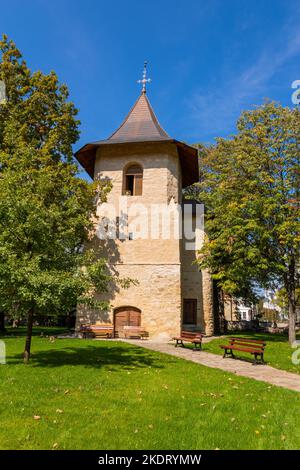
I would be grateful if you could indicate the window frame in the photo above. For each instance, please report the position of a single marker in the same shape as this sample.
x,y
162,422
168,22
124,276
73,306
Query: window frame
x,y
136,171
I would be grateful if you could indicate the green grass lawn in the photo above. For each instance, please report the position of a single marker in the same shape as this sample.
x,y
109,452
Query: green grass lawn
x,y
111,395
278,352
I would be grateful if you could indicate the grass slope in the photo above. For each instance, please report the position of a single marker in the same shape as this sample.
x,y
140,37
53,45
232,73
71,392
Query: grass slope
x,y
110,395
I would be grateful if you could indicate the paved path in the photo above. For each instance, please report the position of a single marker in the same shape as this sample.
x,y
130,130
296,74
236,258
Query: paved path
x,y
263,373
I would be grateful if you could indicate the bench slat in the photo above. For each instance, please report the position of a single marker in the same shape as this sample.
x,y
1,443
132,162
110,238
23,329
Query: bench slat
x,y
246,340
135,331
97,330
190,337
251,346
237,348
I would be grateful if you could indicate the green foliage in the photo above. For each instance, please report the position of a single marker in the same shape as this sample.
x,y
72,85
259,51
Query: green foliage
x,y
281,298
46,211
250,187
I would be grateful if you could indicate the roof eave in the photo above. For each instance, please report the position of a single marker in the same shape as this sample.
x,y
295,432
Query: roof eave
x,y
188,156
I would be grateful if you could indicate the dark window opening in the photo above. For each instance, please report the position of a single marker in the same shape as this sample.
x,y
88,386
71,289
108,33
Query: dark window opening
x,y
129,185
189,312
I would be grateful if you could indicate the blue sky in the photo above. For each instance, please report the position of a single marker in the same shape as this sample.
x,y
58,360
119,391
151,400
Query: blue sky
x,y
208,60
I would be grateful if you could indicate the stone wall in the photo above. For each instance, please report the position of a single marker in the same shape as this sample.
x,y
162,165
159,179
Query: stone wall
x,y
157,295
165,272
153,263
191,276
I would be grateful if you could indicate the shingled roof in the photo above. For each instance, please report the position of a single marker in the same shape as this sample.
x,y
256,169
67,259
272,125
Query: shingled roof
x,y
141,125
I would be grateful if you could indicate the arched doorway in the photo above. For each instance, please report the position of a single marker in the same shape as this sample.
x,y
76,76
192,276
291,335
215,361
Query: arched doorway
x,y
125,316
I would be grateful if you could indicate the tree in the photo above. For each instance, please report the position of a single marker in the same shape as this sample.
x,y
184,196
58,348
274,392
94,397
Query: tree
x,y
46,211
250,187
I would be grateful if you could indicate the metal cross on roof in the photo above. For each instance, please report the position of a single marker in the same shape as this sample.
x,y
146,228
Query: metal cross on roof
x,y
144,79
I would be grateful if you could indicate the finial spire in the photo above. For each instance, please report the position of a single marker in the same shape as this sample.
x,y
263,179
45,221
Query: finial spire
x,y
144,79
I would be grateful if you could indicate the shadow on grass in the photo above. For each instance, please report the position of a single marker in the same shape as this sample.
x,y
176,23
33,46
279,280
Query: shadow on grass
x,y
113,356
249,359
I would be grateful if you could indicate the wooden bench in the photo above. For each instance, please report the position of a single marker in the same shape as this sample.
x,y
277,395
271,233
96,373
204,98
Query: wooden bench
x,y
190,337
97,331
253,346
135,332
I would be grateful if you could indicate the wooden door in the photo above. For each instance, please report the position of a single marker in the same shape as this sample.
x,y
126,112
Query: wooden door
x,y
126,316
189,312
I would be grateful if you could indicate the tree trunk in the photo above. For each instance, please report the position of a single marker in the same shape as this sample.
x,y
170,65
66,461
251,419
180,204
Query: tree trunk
x,y
2,324
290,285
208,302
26,354
292,318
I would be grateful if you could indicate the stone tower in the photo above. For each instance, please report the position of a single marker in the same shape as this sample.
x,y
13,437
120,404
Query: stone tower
x,y
146,167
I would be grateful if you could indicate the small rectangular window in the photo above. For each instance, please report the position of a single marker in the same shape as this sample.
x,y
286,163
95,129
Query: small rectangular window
x,y
133,181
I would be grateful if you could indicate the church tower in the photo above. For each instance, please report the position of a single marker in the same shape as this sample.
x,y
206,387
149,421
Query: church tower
x,y
148,169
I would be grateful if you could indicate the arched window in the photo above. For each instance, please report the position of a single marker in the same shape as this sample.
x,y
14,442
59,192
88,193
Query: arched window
x,y
133,181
